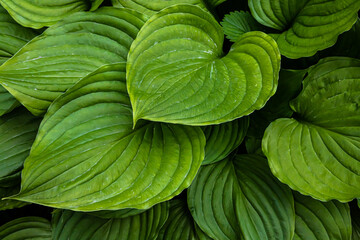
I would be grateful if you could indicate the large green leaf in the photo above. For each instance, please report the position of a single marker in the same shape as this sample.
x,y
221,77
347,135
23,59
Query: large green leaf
x,y
34,228
122,213
180,224
317,220
37,14
149,8
176,72
240,199
81,226
51,63
237,23
17,133
306,26
12,38
318,152
223,138
88,157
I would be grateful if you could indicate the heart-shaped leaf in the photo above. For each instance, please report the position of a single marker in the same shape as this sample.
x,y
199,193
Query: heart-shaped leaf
x,y
88,157
26,228
176,72
82,226
306,26
223,138
38,14
51,63
240,199
318,152
317,220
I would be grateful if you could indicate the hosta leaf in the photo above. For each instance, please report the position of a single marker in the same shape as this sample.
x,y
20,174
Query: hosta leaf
x,y
17,133
306,26
123,213
149,8
35,228
176,72
88,157
180,224
237,23
240,199
81,226
8,191
12,38
222,139
37,14
317,220
317,153
66,52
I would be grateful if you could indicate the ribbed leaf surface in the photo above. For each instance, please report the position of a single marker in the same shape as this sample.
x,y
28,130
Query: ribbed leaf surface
x,y
81,226
317,220
240,199
122,213
176,72
318,153
307,26
222,139
26,228
66,52
88,157
37,14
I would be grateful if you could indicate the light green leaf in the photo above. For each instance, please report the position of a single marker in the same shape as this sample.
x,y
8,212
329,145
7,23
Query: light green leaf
x,y
240,199
224,138
317,153
176,72
237,23
34,228
12,38
38,14
317,220
149,8
68,51
180,224
81,226
88,157
306,26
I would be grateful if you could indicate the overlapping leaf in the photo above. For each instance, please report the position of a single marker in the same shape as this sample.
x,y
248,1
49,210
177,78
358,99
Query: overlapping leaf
x,y
66,52
88,157
222,139
38,14
317,220
317,153
81,226
26,228
176,72
240,199
307,26
12,38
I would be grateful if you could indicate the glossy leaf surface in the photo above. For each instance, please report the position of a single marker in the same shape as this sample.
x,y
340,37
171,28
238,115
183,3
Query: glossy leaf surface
x,y
176,72
88,157
317,153
35,228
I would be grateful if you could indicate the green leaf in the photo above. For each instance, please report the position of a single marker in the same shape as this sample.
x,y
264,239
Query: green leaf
x,y
68,51
224,138
180,224
317,153
38,14
240,199
12,38
17,133
88,157
355,221
176,72
149,8
306,26
6,204
237,23
317,220
81,226
35,228
122,213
